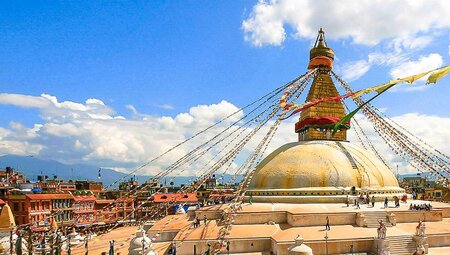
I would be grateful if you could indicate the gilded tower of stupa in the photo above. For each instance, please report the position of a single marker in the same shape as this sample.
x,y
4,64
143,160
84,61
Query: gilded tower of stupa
x,y
316,122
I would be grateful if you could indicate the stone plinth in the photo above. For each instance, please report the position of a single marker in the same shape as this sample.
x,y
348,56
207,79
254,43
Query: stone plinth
x,y
381,246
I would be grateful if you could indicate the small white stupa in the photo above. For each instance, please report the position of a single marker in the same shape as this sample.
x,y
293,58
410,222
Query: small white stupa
x,y
75,238
139,242
299,248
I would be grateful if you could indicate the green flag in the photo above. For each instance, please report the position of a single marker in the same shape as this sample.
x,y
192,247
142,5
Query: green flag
x,y
350,115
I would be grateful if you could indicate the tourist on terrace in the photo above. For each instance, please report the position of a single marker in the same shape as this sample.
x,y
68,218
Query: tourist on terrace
x,y
386,201
373,201
397,201
404,198
327,226
111,247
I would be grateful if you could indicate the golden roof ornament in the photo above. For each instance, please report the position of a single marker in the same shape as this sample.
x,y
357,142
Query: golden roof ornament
x,y
321,55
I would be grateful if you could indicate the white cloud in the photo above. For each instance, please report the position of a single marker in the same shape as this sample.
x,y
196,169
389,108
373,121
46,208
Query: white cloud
x,y
131,108
395,58
165,106
424,63
410,42
365,22
75,132
352,71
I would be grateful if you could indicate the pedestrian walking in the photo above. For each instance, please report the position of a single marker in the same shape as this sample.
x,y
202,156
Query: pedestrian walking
x,y
357,205
327,226
111,247
386,201
373,201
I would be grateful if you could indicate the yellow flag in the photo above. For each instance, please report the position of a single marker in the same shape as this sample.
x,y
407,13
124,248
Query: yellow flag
x,y
438,74
413,78
378,89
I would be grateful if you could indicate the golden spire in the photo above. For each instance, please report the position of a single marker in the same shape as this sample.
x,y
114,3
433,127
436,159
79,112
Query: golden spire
x,y
316,123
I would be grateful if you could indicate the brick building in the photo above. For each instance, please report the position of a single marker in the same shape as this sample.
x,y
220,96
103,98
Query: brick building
x,y
37,209
83,208
105,211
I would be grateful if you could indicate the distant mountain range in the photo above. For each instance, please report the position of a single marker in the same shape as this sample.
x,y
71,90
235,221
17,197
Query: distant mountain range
x,y
31,167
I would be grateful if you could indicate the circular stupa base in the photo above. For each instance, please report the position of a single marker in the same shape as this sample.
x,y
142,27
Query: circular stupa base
x,y
322,194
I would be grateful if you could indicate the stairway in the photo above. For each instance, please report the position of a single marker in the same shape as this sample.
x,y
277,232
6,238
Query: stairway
x,y
372,218
401,245
348,155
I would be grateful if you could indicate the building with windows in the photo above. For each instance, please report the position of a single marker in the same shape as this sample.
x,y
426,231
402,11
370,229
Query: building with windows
x,y
105,211
62,208
36,209
83,208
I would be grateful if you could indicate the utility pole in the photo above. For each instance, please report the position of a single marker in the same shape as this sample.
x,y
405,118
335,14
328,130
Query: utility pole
x,y
86,244
30,240
397,172
11,245
69,252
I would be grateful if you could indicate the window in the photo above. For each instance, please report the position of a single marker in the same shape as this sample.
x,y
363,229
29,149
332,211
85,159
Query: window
x,y
16,206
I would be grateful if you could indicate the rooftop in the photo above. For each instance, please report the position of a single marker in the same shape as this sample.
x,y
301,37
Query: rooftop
x,y
179,197
49,196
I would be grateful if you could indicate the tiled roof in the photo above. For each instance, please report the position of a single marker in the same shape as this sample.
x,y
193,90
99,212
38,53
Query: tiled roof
x,y
49,196
175,197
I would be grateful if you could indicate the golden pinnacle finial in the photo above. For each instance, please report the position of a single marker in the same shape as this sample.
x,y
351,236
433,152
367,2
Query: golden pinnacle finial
x,y
321,54
320,41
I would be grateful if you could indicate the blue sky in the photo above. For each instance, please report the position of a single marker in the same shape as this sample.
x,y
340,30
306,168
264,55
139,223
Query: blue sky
x,y
164,57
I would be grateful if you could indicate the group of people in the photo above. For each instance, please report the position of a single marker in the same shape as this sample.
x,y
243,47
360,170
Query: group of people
x,y
365,198
421,207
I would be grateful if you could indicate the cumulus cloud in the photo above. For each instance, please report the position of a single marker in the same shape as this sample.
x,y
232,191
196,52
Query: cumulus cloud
x,y
91,132
424,63
397,56
269,21
354,70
